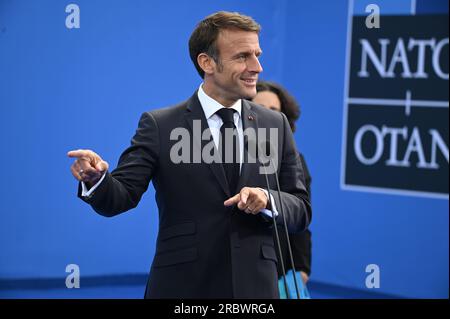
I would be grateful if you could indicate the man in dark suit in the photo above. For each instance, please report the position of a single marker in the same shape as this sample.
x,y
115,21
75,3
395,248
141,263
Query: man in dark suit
x,y
215,236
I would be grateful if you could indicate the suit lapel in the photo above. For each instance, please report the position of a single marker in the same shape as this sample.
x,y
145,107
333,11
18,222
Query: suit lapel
x,y
249,121
194,111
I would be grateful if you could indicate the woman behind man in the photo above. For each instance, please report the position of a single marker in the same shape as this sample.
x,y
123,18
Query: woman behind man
x,y
275,97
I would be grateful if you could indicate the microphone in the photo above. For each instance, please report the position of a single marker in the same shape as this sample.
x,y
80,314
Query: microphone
x,y
268,152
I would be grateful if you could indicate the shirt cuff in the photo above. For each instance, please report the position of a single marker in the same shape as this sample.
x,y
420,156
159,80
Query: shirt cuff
x,y
85,192
266,211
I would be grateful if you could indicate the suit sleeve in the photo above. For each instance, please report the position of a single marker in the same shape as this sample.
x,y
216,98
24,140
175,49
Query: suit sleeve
x,y
301,250
294,196
123,188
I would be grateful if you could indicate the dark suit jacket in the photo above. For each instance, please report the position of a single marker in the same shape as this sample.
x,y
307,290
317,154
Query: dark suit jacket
x,y
203,249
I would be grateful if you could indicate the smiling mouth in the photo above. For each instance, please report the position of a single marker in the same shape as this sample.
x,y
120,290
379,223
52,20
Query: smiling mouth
x,y
249,81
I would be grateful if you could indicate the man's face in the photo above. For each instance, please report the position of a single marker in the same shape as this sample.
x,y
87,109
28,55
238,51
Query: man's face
x,y
236,72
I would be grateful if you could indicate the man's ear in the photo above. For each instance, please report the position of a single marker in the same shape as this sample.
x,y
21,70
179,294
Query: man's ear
x,y
206,63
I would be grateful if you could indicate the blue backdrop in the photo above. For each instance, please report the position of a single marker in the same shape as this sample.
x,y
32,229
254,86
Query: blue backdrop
x,y
63,89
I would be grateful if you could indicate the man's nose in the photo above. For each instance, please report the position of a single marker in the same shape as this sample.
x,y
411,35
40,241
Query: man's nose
x,y
253,65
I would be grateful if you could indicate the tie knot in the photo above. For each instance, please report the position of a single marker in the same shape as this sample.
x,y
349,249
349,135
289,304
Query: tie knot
x,y
227,115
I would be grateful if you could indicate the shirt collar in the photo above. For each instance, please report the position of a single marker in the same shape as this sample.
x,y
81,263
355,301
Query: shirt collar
x,y
211,106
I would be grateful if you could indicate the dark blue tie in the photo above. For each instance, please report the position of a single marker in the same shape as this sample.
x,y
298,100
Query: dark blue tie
x,y
229,148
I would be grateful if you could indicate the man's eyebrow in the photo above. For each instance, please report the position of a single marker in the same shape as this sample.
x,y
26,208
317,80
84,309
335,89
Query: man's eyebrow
x,y
241,53
247,53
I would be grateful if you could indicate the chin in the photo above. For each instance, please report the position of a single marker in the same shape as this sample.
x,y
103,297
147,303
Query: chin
x,y
249,94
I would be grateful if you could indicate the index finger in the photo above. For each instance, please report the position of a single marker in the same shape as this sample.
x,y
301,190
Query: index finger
x,y
232,200
78,153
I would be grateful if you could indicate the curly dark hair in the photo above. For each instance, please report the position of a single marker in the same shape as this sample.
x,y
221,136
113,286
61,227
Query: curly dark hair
x,y
289,105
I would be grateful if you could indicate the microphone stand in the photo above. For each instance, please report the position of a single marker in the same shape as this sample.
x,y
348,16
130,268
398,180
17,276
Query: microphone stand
x,y
285,228
286,231
277,237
